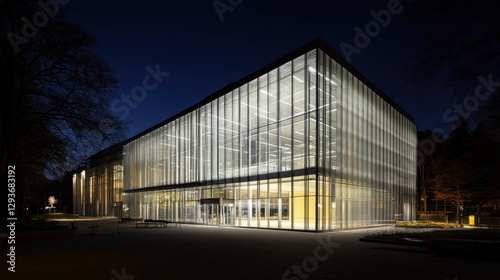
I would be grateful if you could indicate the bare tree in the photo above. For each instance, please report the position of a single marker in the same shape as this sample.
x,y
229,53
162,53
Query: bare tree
x,y
52,200
425,167
486,166
56,93
457,43
458,53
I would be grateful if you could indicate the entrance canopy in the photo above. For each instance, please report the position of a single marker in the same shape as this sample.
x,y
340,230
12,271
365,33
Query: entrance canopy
x,y
220,201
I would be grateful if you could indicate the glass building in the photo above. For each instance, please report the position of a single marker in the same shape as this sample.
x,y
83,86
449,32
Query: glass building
x,y
306,143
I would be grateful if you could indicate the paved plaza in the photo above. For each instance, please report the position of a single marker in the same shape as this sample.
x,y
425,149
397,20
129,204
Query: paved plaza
x,y
202,252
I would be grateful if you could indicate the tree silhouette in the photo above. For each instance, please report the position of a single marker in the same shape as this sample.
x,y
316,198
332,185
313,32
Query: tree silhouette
x,y
52,200
457,53
486,166
450,168
56,92
456,44
426,168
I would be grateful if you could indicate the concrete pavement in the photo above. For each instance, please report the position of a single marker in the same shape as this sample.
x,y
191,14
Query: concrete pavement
x,y
200,252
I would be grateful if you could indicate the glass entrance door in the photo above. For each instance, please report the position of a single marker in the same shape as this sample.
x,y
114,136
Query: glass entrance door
x,y
210,214
227,215
218,214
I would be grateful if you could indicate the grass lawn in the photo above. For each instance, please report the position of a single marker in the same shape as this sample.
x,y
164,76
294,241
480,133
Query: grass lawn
x,y
44,222
51,216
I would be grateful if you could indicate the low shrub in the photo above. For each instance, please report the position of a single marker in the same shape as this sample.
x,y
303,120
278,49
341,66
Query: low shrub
x,y
427,224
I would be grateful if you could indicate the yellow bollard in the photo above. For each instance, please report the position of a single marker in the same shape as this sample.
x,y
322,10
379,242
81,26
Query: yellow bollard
x,y
471,220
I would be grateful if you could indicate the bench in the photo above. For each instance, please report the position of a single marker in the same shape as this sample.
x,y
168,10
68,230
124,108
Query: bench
x,y
130,220
106,228
150,222
155,223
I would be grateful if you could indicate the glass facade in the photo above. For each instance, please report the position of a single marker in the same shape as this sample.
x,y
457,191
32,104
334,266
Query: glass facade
x,y
98,191
366,150
304,146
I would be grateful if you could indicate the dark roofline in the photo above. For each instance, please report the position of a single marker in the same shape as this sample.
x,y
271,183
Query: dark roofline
x,y
337,57
116,148
315,44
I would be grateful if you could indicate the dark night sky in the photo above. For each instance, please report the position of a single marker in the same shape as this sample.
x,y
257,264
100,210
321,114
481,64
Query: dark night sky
x,y
202,54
